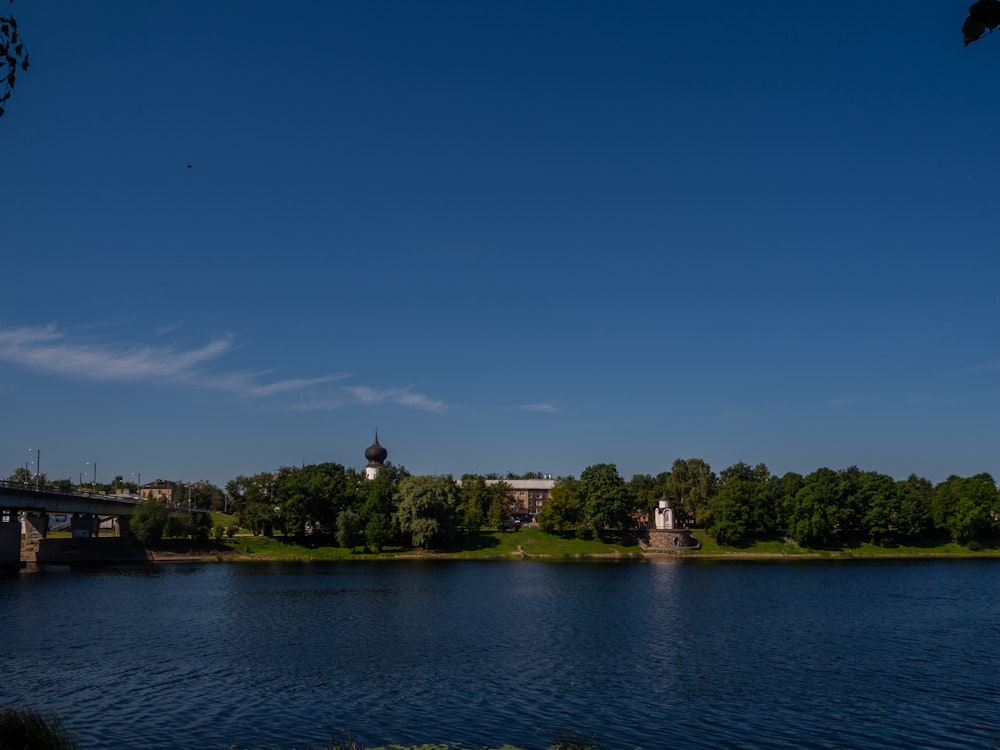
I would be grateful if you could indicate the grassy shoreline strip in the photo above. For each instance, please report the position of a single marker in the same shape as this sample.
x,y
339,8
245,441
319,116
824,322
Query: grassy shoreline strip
x,y
531,544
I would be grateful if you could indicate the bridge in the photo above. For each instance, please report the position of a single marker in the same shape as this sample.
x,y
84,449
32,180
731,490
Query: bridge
x,y
36,503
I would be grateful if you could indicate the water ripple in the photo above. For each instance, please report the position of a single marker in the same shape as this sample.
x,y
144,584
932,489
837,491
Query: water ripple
x,y
639,655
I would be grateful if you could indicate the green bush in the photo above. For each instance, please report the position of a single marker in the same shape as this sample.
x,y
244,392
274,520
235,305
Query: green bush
x,y
149,522
26,729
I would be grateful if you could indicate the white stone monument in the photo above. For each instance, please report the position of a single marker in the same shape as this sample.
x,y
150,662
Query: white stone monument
x,y
664,514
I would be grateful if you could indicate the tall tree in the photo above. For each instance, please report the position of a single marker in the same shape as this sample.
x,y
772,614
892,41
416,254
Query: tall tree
x,y
690,486
474,502
879,500
311,497
605,498
21,476
967,508
811,513
741,507
350,529
378,506
646,490
258,509
149,522
206,496
561,513
427,509
500,503
914,515
849,501
379,510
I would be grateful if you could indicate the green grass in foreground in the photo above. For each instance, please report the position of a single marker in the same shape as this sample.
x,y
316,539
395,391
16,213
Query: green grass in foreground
x,y
534,543
709,547
222,519
285,548
27,729
530,543
525,543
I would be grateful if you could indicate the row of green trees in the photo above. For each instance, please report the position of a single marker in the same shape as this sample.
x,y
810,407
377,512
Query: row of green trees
x,y
395,508
744,503
153,520
739,505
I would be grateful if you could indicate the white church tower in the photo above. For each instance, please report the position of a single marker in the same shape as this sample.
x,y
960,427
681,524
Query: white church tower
x,y
376,456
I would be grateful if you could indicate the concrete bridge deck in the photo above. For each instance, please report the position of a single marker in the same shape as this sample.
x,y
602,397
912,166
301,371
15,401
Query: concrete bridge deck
x,y
28,497
33,504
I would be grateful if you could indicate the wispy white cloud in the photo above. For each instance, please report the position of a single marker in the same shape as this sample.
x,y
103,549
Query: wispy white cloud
x,y
403,396
28,336
170,328
50,350
47,349
317,405
991,365
245,385
545,408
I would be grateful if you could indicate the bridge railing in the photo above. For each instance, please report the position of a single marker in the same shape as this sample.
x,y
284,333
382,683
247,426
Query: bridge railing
x,y
24,486
54,490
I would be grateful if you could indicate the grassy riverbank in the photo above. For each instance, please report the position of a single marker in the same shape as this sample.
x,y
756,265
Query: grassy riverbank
x,y
784,549
526,543
530,543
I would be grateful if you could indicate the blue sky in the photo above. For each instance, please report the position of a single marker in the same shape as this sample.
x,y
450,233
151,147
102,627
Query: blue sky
x,y
512,235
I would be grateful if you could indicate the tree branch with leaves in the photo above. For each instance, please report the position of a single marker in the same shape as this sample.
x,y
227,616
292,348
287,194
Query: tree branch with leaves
x,y
13,57
984,15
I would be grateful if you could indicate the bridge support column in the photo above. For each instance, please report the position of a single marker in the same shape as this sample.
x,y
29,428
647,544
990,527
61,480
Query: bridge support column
x,y
124,529
36,525
10,539
84,526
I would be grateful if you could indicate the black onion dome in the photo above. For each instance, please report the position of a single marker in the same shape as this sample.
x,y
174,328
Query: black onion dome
x,y
375,453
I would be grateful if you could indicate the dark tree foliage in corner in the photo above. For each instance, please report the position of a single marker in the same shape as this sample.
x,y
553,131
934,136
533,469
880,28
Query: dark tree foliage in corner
x,y
13,56
984,15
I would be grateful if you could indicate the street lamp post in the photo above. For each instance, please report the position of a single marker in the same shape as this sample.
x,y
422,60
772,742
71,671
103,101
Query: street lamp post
x,y
93,485
38,466
138,483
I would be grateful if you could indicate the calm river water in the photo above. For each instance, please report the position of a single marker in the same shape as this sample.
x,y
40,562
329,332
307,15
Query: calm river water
x,y
668,654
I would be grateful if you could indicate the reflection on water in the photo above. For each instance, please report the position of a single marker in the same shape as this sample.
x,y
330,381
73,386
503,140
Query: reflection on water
x,y
671,654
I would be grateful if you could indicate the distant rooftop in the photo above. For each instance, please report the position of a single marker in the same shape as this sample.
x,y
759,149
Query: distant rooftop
x,y
526,484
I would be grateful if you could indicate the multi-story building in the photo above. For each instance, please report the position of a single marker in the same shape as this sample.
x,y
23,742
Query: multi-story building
x,y
528,495
161,489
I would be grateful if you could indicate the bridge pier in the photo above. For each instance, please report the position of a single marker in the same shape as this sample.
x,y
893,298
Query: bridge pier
x,y
36,525
10,539
84,525
20,540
